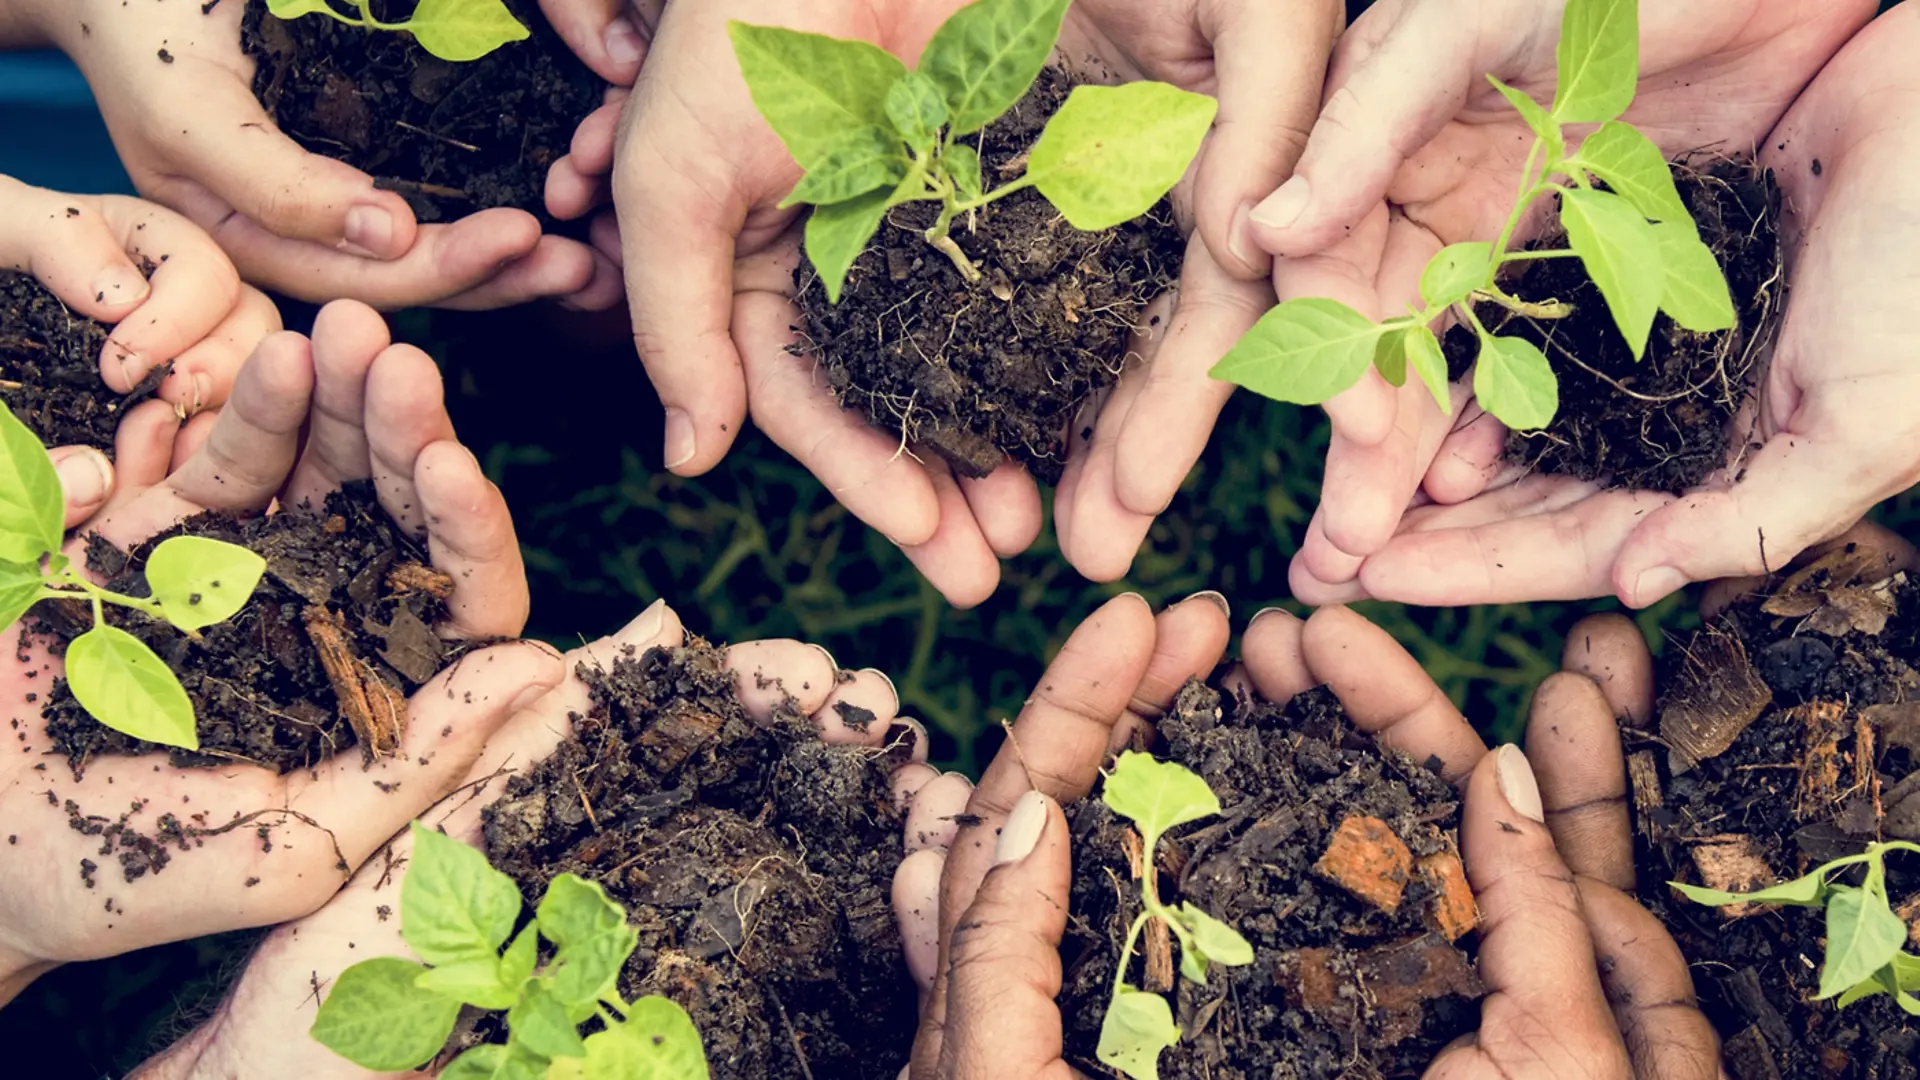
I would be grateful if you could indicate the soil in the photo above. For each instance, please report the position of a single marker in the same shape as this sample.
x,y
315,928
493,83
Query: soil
x,y
321,659
979,373
1606,428
756,862
1316,817
50,368
450,138
1789,730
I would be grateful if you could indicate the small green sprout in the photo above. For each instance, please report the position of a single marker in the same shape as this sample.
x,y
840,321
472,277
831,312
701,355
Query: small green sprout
x,y
872,135
454,30
195,583
388,1014
1864,937
1157,796
1637,241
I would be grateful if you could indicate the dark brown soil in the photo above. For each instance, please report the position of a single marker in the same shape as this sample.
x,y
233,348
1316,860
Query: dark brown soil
x,y
451,138
1603,430
50,368
259,685
1824,765
979,373
757,863
1339,987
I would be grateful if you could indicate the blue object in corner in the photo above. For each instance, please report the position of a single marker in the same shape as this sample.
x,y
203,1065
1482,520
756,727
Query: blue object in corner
x,y
51,133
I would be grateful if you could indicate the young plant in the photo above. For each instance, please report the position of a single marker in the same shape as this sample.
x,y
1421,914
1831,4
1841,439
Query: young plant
x,y
1637,242
1157,796
389,1014
195,583
454,30
871,135
1864,937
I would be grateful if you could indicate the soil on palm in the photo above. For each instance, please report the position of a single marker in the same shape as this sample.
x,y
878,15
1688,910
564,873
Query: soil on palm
x,y
50,368
450,138
1335,858
999,369
1788,734
756,862
320,660
1663,422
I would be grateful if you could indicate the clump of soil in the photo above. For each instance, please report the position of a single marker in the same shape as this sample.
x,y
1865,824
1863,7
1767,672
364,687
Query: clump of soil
x,y
322,658
978,373
756,863
50,368
1794,724
450,138
1336,858
1660,423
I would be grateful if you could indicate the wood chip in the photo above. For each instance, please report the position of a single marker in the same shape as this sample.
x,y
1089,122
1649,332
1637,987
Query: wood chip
x,y
413,577
1732,863
1452,911
1368,860
1910,911
1841,592
376,710
1821,760
1157,948
1717,694
1649,804
1898,724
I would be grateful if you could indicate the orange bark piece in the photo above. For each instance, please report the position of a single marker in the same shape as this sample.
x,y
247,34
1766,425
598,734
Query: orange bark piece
x,y
1369,861
1452,911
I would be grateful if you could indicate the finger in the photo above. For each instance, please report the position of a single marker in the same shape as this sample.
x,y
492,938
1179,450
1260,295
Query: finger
x,y
1274,652
859,711
1006,505
1473,454
470,539
1349,272
1574,745
406,412
916,907
556,267
907,780
571,192
1648,985
1320,573
1189,638
347,338
141,450
769,673
1387,693
1610,650
932,819
195,288
66,243
203,376
958,561
191,437
602,34
86,479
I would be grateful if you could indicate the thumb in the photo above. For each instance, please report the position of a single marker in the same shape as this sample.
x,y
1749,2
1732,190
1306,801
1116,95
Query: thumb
x,y
1005,969
68,244
602,33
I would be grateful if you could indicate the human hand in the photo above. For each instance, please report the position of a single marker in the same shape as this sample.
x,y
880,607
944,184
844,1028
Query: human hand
x,y
367,410
1410,121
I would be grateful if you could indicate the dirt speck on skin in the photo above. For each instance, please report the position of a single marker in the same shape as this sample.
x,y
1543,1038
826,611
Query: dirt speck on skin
x,y
980,373
50,368
755,861
1340,986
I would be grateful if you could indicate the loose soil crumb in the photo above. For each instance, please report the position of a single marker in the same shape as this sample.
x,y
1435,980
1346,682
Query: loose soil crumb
x,y
1826,765
756,863
450,138
1603,432
50,368
999,369
261,682
1336,858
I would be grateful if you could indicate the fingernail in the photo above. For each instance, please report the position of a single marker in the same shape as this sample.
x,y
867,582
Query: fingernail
x,y
885,678
917,733
831,662
133,367
370,228
1264,613
1517,784
85,477
1214,598
1136,596
624,43
1240,236
680,443
645,625
1022,830
202,390
119,286
1655,584
1283,207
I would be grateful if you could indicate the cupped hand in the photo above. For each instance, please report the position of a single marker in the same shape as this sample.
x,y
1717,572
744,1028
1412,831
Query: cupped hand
x,y
261,1028
365,410
1411,122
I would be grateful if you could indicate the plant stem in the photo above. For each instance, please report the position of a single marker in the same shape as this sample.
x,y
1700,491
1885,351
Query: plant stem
x,y
1126,951
1547,309
68,585
1525,256
938,235
1000,192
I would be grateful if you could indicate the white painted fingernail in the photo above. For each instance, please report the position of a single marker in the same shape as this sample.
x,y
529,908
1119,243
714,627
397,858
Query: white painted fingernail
x,y
1517,784
680,444
1283,207
645,626
1023,829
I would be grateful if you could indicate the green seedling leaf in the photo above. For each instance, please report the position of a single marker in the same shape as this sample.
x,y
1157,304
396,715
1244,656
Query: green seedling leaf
x,y
19,589
376,1018
1544,126
453,906
1111,152
1599,57
480,982
33,513
516,964
1806,891
122,684
917,110
986,55
837,234
1138,1026
1429,362
539,1022
462,30
1157,795
1622,255
868,159
199,582
1906,971
495,1062
813,89
1636,171
1514,382
1454,272
1303,351
1390,355
592,934
657,1041
293,9
1863,935
1694,293
1907,1002
1866,988
1209,940
963,164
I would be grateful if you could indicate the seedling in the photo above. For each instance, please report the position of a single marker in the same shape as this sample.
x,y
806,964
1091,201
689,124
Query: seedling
x,y
455,30
1864,937
871,135
1638,243
196,582
388,1014
1157,796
